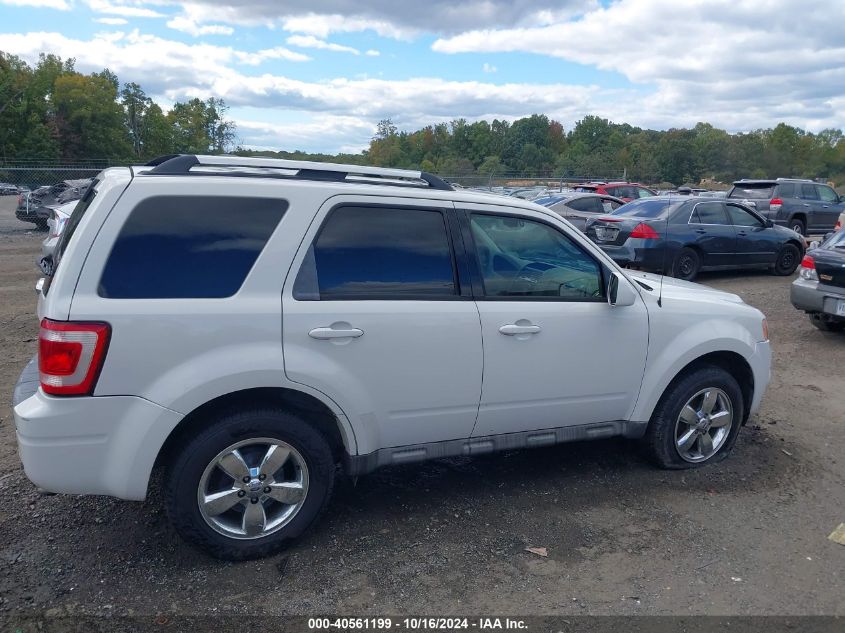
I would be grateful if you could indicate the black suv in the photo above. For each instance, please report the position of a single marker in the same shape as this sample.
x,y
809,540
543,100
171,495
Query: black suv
x,y
805,206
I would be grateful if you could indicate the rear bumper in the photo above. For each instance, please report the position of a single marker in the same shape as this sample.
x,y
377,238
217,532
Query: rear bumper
x,y
812,296
89,445
637,252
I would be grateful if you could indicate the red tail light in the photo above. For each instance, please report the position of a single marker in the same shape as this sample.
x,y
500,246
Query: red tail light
x,y
838,225
70,356
644,231
808,262
775,204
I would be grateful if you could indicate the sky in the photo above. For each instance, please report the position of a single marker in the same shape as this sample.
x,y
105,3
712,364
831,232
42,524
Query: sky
x,y
317,75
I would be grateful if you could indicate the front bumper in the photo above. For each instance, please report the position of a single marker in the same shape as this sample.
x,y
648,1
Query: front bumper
x,y
761,367
104,445
813,296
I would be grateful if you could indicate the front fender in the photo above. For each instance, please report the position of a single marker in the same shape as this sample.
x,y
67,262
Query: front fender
x,y
676,352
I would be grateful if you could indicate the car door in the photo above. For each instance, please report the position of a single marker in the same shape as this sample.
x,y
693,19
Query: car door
x,y
555,353
375,317
755,243
811,205
830,206
712,233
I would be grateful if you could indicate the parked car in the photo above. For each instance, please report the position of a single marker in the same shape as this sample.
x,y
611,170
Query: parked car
x,y
819,289
627,191
56,225
807,207
249,329
37,206
580,207
685,235
8,189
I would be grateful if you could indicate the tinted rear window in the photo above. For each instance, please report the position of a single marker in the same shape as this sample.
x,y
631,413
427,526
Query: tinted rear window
x,y
645,208
753,191
379,253
188,247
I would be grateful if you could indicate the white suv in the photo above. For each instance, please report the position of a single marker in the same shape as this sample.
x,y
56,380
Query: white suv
x,y
247,325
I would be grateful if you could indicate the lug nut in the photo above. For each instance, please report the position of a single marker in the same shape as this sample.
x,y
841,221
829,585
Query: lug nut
x,y
246,480
267,490
254,500
262,477
241,493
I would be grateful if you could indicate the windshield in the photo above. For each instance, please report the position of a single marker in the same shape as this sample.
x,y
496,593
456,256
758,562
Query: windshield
x,y
645,208
837,240
753,191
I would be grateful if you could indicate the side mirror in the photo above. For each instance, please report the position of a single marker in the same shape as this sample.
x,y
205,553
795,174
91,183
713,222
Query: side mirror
x,y
619,291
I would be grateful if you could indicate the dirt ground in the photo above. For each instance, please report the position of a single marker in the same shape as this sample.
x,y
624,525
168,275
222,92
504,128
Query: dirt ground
x,y
748,536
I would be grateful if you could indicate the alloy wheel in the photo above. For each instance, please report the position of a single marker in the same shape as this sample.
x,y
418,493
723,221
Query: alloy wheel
x,y
704,425
253,488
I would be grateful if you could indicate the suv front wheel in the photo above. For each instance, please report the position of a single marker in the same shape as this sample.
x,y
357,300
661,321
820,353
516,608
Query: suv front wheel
x,y
249,482
697,420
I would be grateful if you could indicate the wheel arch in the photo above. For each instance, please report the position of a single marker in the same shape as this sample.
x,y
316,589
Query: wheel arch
x,y
307,406
731,362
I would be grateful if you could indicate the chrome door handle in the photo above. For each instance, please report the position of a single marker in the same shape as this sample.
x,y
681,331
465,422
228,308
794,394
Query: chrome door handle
x,y
512,329
327,333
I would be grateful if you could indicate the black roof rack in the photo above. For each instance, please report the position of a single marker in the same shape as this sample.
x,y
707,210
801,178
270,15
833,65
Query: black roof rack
x,y
185,164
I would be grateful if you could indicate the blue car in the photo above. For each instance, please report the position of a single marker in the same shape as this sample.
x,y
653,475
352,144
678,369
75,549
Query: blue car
x,y
684,236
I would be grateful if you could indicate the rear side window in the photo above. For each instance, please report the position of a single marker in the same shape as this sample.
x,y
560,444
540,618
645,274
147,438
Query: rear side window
x,y
786,190
709,213
809,192
189,247
753,191
588,205
378,253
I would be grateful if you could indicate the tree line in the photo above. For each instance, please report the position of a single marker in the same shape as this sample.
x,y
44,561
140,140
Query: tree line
x,y
50,112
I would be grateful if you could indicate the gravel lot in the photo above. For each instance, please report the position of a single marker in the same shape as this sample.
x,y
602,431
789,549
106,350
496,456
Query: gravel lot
x,y
748,536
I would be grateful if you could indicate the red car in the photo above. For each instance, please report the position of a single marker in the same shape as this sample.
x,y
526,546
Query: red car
x,y
626,190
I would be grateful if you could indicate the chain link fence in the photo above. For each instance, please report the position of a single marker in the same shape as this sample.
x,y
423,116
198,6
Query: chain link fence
x,y
516,180
39,189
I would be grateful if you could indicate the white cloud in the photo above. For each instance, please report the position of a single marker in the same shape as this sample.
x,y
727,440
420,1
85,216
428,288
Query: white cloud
x,y
309,41
345,134
399,20
187,25
120,8
111,21
372,53
278,52
489,68
46,4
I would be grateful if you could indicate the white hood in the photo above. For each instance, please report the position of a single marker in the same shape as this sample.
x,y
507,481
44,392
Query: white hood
x,y
679,289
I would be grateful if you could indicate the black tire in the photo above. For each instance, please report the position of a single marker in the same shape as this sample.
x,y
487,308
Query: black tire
x,y
798,226
687,264
787,260
183,475
826,325
660,436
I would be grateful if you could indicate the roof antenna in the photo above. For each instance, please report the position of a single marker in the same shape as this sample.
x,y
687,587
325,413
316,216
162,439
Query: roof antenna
x,y
665,248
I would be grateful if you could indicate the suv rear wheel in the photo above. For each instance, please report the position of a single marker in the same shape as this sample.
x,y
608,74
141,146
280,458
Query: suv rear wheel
x,y
249,482
697,420
798,226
